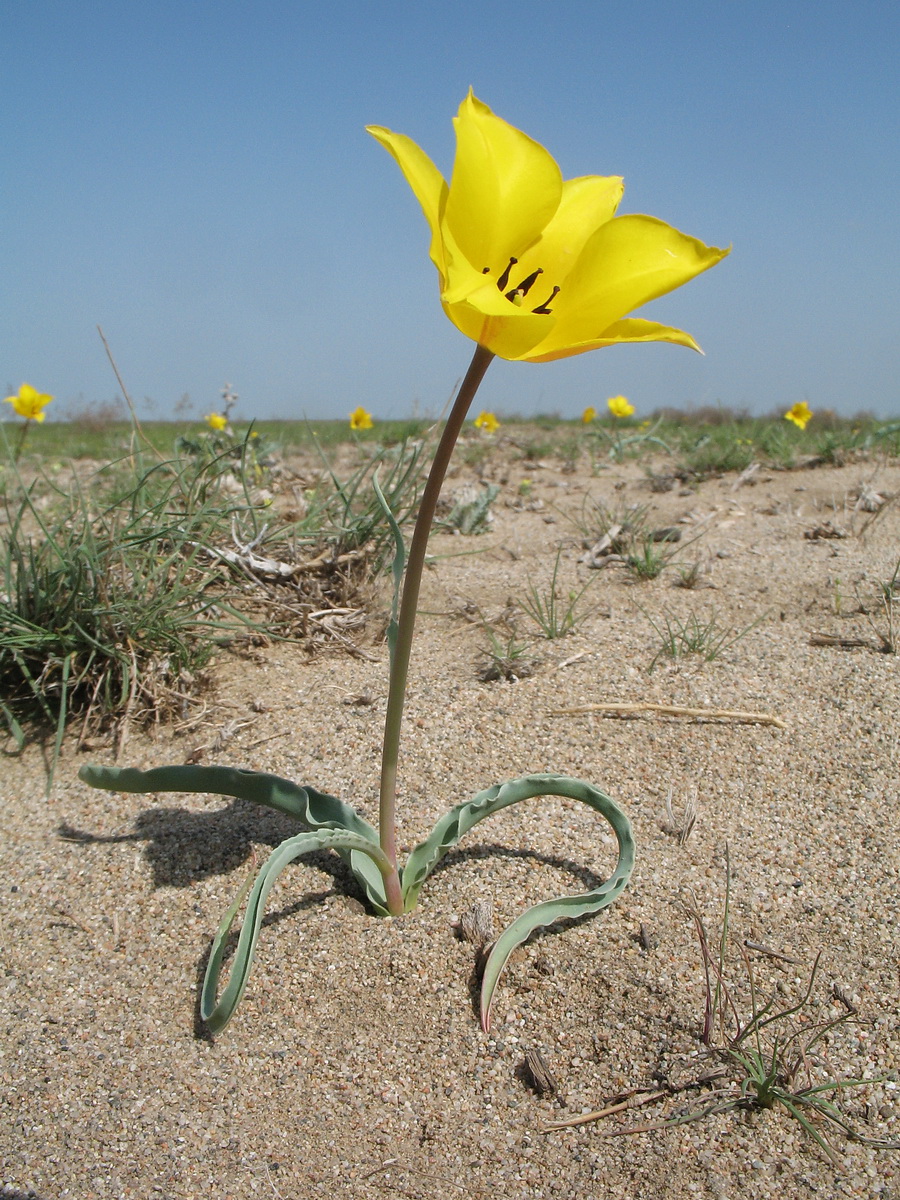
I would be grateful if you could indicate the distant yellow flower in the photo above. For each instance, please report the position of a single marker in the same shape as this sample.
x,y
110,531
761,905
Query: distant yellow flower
x,y
644,424
360,419
619,406
487,422
216,421
589,414
29,403
799,413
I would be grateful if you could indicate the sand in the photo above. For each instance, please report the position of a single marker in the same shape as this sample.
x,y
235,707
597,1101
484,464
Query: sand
x,y
356,1066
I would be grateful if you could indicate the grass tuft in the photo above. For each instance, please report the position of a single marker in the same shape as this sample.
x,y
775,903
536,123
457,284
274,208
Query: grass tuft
x,y
773,1055
706,639
555,615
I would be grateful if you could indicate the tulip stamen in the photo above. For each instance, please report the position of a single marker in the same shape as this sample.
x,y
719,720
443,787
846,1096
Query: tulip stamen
x,y
544,308
524,287
504,278
518,293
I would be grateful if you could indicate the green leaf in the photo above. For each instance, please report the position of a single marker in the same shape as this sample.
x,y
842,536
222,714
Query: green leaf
x,y
217,1014
397,567
15,729
451,827
315,809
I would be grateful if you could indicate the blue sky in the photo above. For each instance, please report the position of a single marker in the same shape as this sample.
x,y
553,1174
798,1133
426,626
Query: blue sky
x,y
195,177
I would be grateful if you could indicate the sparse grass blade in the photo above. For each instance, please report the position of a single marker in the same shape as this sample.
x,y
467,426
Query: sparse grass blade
x,y
353,515
553,614
771,1048
692,636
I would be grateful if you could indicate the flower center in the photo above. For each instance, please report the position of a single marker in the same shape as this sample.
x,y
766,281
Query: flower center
x,y
516,294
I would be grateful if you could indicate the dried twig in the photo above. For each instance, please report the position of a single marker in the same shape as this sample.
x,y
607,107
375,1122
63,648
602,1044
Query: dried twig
x,y
768,952
542,1078
574,659
614,708
128,400
477,924
632,1100
745,476
844,643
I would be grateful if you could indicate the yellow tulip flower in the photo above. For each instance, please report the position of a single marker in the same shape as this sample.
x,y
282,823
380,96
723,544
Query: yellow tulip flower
x,y
619,406
589,414
29,403
533,267
216,421
487,422
360,419
799,413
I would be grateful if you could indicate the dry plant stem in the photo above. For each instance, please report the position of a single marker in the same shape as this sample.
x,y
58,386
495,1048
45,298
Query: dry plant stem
x,y
631,1101
672,710
128,400
406,620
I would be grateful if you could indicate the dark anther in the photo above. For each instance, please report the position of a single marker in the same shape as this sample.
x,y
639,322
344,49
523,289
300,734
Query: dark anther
x,y
485,270
524,287
504,278
544,308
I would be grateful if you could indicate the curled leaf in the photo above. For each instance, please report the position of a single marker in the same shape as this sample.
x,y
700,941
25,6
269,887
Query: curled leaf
x,y
217,1013
451,827
318,810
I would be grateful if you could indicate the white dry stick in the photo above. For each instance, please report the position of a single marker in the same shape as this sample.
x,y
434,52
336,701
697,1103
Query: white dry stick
x,y
671,710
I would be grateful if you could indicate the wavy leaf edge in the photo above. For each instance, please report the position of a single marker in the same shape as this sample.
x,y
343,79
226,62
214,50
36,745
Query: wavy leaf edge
x,y
318,810
337,826
460,819
217,1013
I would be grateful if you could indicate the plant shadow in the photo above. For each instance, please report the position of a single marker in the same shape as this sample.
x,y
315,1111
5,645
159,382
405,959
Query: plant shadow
x,y
483,850
183,847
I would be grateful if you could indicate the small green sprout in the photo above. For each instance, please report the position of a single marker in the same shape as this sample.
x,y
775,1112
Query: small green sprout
x,y
554,614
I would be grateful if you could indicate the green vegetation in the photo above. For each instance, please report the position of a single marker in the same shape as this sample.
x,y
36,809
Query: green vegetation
x,y
110,439
504,657
707,640
773,1055
112,598
624,532
554,614
118,585
700,442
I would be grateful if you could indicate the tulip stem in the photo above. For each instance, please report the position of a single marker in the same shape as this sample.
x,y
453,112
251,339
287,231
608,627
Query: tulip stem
x,y
21,441
406,620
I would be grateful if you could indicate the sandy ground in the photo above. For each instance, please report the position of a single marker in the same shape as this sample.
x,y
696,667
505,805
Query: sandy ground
x,y
356,1066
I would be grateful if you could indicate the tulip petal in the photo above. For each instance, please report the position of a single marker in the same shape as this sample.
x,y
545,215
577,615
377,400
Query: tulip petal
x,y
587,203
534,268
490,320
626,263
423,177
504,190
632,329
